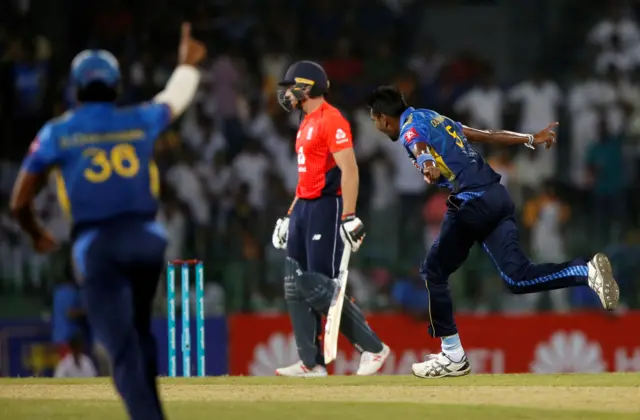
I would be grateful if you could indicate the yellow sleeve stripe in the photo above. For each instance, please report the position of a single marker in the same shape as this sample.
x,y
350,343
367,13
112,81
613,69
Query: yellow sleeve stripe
x,y
61,192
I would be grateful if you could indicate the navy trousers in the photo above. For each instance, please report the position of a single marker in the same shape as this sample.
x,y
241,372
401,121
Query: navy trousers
x,y
119,267
314,237
314,242
486,217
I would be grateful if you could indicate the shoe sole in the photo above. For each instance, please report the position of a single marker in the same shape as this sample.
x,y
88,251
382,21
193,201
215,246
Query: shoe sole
x,y
610,293
456,374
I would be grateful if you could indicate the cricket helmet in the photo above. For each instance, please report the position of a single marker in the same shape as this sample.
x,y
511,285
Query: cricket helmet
x,y
305,79
91,66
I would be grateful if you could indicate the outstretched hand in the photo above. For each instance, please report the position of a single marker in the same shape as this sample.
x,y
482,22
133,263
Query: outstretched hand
x,y
546,136
191,51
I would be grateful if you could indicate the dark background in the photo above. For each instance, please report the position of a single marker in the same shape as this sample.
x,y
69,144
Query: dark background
x,y
227,164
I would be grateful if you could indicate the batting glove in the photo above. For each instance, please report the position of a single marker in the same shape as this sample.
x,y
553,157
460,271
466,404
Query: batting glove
x,y
281,233
352,231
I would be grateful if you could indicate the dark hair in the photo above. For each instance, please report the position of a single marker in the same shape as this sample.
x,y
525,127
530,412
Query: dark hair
x,y
387,100
97,92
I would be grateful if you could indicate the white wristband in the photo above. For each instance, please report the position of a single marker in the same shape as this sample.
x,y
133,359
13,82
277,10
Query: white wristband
x,y
180,89
529,144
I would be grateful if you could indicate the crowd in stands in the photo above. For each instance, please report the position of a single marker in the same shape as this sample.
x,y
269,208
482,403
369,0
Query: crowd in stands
x,y
229,167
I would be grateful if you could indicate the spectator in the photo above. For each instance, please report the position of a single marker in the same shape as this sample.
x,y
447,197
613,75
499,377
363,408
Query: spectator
x,y
434,211
539,99
173,220
617,25
426,64
615,56
184,180
227,80
606,168
410,190
526,174
278,142
544,216
142,76
501,162
482,106
243,233
273,65
251,166
585,99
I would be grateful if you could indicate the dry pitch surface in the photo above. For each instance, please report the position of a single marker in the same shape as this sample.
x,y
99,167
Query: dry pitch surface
x,y
493,397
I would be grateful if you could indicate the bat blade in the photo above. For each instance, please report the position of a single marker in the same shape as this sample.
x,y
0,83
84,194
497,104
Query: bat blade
x,y
332,326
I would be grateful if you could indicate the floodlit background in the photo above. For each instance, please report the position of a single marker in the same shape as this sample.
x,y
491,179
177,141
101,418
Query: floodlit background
x,y
229,167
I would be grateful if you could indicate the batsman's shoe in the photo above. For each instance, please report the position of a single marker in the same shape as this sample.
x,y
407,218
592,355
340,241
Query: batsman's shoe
x,y
440,366
299,370
602,282
371,363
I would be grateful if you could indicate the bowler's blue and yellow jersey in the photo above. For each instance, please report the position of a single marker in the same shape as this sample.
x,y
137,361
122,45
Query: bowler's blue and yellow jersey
x,y
102,157
461,167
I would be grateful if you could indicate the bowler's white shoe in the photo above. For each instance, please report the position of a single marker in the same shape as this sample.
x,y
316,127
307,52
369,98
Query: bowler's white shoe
x,y
440,366
371,363
602,282
299,370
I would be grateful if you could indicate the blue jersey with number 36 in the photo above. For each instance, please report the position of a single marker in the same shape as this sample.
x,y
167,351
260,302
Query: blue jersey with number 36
x,y
102,157
461,167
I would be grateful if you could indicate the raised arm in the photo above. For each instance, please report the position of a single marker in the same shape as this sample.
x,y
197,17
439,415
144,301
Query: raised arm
x,y
509,138
183,83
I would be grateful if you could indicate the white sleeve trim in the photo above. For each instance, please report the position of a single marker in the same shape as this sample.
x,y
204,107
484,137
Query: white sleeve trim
x,y
180,89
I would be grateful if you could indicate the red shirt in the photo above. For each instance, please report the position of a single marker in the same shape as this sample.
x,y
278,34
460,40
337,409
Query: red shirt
x,y
323,132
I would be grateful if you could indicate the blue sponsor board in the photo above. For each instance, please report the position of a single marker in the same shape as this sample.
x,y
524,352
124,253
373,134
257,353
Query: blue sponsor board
x,y
26,348
216,346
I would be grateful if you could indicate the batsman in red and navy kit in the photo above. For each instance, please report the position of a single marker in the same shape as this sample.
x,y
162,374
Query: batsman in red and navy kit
x,y
102,157
322,213
479,210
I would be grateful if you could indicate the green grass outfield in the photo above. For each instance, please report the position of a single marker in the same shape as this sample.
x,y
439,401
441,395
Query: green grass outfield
x,y
493,397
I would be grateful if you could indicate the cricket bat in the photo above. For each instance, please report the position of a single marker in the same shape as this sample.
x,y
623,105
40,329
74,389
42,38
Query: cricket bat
x,y
332,326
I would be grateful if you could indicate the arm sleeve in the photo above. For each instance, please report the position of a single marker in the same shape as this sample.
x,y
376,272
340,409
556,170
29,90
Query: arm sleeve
x,y
338,134
410,138
43,152
157,116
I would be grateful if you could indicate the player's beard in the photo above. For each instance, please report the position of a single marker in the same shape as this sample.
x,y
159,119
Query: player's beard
x,y
394,137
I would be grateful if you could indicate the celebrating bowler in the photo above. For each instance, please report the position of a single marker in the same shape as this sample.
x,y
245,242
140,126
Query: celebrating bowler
x,y
480,210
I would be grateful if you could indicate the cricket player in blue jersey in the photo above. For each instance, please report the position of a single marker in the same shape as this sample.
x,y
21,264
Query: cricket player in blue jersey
x,y
107,182
480,210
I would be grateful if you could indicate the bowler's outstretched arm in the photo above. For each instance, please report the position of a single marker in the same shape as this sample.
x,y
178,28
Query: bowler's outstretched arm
x,y
509,138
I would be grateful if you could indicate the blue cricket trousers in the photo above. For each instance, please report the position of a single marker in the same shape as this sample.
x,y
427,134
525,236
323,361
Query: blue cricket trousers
x,y
314,235
119,265
314,242
486,217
